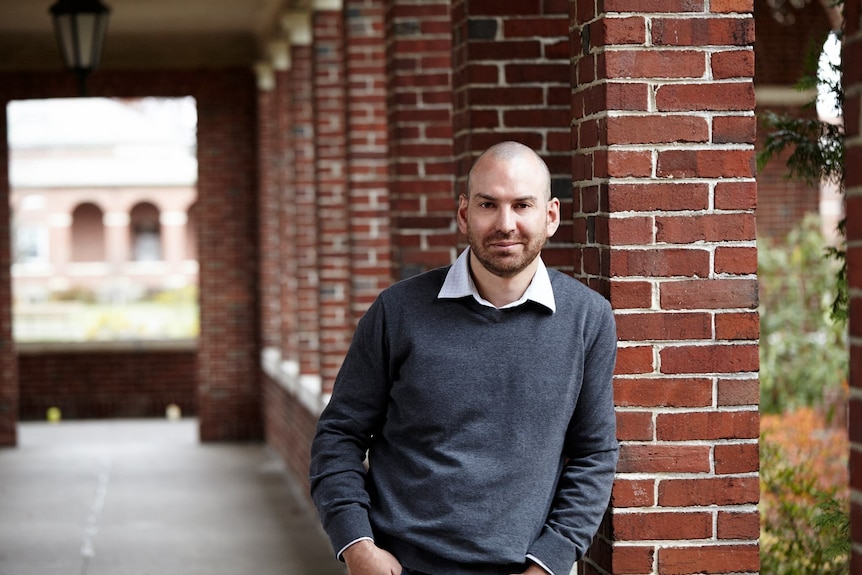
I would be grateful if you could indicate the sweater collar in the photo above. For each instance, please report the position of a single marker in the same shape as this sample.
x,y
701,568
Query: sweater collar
x,y
459,283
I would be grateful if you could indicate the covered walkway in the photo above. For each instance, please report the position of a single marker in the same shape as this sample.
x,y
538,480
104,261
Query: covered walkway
x,y
135,497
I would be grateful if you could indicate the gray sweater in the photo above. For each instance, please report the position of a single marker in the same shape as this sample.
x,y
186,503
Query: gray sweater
x,y
490,433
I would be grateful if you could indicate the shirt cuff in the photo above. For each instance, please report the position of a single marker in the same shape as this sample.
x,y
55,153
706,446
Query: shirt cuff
x,y
538,562
343,549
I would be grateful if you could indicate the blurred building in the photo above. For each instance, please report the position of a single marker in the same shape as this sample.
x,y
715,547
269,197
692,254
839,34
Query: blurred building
x,y
102,197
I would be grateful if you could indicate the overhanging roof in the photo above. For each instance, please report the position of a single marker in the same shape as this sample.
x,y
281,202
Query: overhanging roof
x,y
149,33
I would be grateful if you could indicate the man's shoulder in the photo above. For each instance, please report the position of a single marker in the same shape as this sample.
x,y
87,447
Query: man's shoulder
x,y
428,282
569,288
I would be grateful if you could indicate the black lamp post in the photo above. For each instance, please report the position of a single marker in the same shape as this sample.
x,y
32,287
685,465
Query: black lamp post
x,y
80,26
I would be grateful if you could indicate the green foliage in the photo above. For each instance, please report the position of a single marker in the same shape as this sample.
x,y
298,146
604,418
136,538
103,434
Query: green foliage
x,y
816,154
803,352
805,526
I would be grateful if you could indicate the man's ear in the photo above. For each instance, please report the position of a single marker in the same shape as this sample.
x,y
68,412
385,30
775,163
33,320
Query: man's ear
x,y
553,216
462,213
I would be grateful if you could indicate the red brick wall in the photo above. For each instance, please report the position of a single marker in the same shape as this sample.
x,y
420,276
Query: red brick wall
x,y
333,240
301,111
269,161
852,58
94,383
290,427
511,77
664,200
419,120
367,166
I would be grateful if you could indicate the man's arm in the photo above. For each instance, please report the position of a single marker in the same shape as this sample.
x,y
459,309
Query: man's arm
x,y
345,431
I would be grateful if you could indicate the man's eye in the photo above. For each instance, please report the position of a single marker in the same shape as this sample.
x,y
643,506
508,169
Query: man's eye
x,y
486,205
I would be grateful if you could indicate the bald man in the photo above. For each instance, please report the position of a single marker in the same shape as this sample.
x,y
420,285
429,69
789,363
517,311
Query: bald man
x,y
481,395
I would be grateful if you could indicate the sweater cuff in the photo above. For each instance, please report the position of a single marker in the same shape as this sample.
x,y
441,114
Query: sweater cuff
x,y
347,527
553,552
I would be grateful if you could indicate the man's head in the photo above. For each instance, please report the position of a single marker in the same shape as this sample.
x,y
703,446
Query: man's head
x,y
508,212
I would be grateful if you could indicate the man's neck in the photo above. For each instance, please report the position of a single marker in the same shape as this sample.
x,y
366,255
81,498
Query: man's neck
x,y
501,291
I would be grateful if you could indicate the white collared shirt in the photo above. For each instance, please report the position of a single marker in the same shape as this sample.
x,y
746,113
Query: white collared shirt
x,y
459,283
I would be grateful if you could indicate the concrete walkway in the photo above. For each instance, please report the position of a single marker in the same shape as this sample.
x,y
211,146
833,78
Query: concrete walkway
x,y
136,497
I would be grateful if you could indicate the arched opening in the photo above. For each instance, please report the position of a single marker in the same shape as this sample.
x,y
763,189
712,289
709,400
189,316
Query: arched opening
x,y
87,234
146,233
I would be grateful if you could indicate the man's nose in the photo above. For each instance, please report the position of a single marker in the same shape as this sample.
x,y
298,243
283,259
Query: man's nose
x,y
505,219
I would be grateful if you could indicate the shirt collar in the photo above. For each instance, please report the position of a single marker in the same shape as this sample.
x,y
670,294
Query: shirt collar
x,y
459,283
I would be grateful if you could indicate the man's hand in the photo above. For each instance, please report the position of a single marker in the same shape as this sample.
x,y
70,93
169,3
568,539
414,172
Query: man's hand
x,y
366,558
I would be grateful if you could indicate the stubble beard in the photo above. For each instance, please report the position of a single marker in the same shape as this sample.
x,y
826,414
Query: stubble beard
x,y
505,266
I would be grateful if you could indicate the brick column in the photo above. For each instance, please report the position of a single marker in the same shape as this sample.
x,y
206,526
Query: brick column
x,y
285,209
367,152
228,386
664,200
852,63
9,395
267,138
333,238
298,26
419,107
511,82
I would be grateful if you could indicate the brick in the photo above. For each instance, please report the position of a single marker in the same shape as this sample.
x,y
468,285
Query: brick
x,y
623,163
709,294
657,196
736,260
720,491
625,96
644,526
630,294
731,6
632,560
654,6
656,129
627,30
734,129
736,458
634,426
703,31
707,425
662,392
638,63
735,195
633,493
735,326
738,96
732,64
657,458
718,358
709,559
667,262
631,231
638,359
705,164
733,392
705,228
665,326
732,525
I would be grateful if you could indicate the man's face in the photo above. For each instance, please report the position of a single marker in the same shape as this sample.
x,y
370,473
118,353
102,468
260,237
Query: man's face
x,y
508,216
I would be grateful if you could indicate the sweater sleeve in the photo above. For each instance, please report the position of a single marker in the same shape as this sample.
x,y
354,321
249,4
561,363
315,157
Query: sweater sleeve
x,y
591,450
345,430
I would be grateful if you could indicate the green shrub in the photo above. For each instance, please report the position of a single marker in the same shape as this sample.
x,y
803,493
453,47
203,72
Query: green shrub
x,y
803,352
